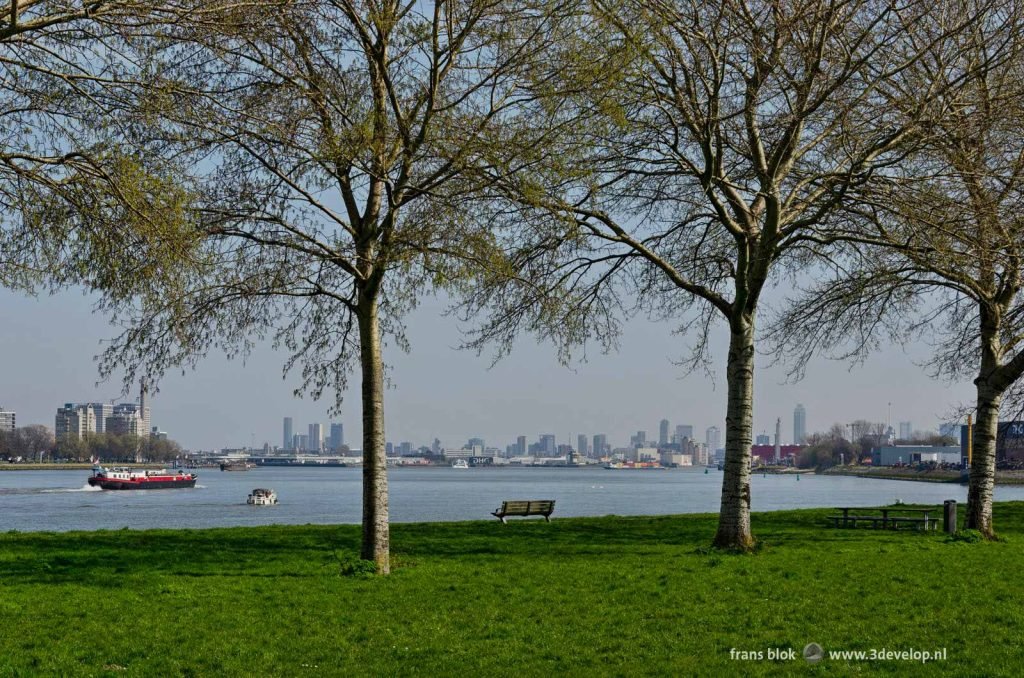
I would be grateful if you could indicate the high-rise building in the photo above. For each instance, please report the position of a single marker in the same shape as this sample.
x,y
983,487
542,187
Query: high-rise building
x,y
126,419
906,430
74,421
639,440
581,443
699,454
713,439
337,437
684,431
521,446
78,419
100,412
600,445
6,420
764,439
316,437
289,435
547,444
799,425
663,433
301,442
476,442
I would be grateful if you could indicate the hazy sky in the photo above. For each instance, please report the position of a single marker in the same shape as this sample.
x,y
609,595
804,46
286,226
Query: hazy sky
x,y
47,347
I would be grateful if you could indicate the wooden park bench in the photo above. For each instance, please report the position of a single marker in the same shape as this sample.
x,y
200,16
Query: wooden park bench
x,y
531,507
923,522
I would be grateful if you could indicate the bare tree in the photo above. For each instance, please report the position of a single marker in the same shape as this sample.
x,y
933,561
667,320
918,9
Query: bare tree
x,y
326,142
837,432
947,261
27,442
690,150
863,429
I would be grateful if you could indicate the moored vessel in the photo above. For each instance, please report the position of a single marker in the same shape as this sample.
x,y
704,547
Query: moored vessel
x,y
140,479
236,466
635,466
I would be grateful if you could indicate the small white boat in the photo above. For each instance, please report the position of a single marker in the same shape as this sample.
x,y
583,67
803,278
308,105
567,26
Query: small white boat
x,y
460,463
262,496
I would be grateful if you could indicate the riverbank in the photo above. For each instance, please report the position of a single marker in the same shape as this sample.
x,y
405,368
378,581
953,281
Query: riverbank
x,y
782,470
927,476
890,473
587,597
73,466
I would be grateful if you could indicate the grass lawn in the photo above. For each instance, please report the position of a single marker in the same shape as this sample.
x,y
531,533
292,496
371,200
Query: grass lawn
x,y
586,597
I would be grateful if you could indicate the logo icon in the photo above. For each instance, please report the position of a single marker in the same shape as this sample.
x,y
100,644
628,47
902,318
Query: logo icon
x,y
813,653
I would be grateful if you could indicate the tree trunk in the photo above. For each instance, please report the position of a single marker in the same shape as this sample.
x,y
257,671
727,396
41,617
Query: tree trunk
x,y
990,397
734,517
376,535
983,465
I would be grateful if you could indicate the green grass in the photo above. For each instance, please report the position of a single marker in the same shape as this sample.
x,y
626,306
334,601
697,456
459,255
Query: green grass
x,y
581,597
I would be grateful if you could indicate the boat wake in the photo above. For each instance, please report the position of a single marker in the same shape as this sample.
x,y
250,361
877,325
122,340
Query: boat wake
x,y
83,488
48,490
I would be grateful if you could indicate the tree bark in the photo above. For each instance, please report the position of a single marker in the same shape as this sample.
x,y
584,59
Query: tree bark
x,y
983,465
982,479
376,535
986,431
734,517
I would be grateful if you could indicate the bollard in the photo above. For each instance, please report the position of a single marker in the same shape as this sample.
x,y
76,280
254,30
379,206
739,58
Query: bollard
x,y
949,516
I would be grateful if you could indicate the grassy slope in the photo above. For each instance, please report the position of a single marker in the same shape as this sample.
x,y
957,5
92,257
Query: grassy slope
x,y
602,596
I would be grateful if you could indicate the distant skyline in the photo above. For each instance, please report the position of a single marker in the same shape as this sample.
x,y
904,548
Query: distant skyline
x,y
47,347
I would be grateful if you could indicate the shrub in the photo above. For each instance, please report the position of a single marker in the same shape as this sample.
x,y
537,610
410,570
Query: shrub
x,y
967,536
354,566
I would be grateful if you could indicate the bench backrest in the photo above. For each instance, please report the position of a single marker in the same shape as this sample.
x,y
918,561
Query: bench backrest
x,y
528,507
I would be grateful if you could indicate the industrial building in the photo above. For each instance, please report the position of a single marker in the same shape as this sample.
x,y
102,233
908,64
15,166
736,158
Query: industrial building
x,y
1009,441
896,455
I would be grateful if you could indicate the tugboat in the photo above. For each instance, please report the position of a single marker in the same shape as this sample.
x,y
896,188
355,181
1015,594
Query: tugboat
x,y
140,479
262,496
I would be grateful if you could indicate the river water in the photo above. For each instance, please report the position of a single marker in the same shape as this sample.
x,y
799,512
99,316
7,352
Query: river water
x,y
61,500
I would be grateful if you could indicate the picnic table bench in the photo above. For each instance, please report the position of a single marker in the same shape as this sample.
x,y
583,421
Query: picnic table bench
x,y
924,522
529,507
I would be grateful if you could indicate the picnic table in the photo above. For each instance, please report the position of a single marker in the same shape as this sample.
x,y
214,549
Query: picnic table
x,y
924,521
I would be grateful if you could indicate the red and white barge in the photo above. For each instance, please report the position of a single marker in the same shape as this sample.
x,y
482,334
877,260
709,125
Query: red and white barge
x,y
140,479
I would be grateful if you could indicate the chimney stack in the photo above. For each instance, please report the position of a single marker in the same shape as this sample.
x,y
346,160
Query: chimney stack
x,y
778,440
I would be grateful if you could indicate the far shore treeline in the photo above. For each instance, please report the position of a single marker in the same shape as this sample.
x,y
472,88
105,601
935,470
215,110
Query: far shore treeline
x,y
303,172
37,444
